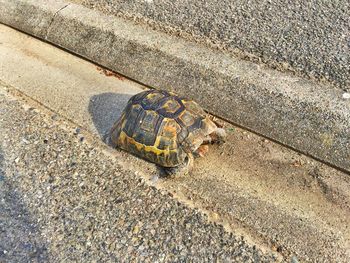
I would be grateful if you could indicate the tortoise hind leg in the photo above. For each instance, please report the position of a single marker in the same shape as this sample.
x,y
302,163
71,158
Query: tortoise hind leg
x,y
182,169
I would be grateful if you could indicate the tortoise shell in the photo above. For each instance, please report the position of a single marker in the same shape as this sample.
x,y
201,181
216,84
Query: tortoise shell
x,y
161,127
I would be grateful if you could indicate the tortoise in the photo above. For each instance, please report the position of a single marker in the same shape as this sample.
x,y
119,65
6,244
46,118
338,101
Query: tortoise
x,y
165,129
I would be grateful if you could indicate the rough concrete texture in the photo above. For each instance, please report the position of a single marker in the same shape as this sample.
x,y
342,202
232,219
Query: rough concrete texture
x,y
274,104
87,208
271,195
310,37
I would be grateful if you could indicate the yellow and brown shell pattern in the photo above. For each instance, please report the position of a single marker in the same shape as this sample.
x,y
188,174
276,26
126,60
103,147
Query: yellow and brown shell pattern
x,y
161,127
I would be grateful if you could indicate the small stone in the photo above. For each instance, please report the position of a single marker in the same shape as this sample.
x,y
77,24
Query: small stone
x,y
40,194
346,95
77,131
215,216
136,229
154,179
25,141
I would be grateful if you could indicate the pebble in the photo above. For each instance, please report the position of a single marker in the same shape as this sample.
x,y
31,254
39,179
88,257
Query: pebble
x,y
77,131
346,95
25,141
154,179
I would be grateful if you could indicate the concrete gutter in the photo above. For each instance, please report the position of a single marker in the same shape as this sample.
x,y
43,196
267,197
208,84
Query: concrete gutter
x,y
309,38
312,118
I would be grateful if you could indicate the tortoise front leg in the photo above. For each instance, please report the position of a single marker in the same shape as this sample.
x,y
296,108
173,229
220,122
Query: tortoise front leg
x,y
217,136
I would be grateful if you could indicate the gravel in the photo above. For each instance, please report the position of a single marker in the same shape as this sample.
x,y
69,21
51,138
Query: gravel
x,y
63,200
20,239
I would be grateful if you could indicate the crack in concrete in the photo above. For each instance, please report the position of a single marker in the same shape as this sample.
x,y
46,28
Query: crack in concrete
x,y
52,19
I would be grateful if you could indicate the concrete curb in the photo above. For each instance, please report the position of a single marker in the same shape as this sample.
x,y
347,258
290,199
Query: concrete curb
x,y
306,116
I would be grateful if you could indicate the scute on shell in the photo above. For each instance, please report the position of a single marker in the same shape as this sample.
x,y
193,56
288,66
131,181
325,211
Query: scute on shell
x,y
161,127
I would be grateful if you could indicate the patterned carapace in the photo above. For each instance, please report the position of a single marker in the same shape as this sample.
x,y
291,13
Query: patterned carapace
x,y
161,127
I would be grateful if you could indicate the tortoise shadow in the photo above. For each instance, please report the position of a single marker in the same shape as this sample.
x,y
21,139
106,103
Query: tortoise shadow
x,y
105,109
